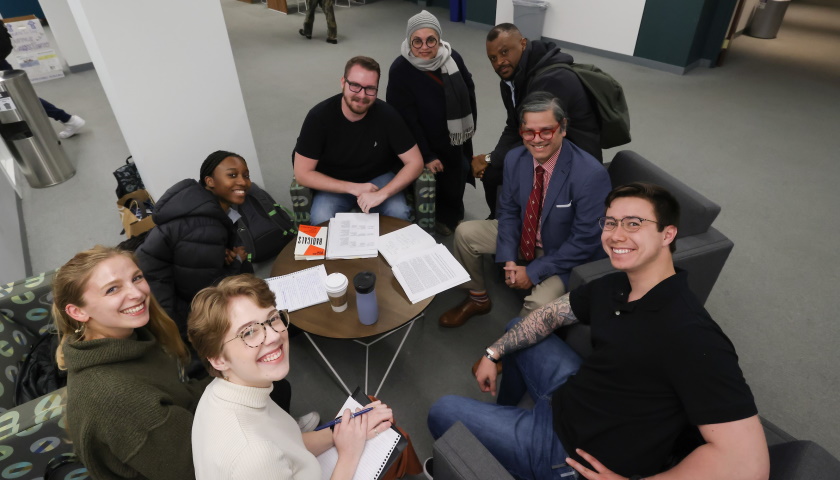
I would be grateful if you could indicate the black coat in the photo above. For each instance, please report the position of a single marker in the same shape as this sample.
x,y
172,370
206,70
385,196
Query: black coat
x,y
583,129
185,252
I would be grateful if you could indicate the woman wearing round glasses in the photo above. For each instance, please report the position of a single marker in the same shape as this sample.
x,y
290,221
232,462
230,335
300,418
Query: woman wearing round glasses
x,y
238,431
429,84
129,407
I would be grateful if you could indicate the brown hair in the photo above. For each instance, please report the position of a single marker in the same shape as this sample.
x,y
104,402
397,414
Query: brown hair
x,y
69,285
365,62
665,205
209,317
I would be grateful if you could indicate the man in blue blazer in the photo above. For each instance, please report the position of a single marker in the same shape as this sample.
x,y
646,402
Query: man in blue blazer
x,y
547,219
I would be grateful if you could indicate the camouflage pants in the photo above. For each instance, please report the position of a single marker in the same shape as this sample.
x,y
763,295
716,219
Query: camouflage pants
x,y
329,12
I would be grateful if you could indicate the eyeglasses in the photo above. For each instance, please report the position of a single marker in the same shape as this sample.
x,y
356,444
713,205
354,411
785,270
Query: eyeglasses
x,y
356,88
253,335
417,42
629,224
545,134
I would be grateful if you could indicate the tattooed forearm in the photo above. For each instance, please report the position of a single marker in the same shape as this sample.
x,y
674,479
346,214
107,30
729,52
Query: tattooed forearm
x,y
536,326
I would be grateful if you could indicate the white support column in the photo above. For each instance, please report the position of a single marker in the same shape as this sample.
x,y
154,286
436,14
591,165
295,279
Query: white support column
x,y
66,33
169,75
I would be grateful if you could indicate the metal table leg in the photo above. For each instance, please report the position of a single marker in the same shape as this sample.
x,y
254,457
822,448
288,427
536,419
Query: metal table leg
x,y
407,327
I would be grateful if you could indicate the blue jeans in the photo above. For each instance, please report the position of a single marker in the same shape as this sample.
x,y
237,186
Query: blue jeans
x,y
326,204
523,441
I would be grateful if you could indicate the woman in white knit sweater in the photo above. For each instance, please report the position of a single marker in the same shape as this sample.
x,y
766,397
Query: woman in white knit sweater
x,y
238,432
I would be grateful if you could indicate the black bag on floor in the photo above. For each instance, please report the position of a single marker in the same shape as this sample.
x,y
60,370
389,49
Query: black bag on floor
x,y
128,178
265,227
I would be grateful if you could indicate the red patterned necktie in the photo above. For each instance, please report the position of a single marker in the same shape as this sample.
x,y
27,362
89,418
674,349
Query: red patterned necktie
x,y
531,223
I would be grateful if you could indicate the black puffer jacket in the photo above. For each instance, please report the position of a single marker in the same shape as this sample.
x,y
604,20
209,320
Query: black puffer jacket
x,y
583,130
185,252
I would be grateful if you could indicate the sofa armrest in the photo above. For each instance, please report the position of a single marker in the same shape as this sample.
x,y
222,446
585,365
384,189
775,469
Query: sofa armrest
x,y
460,456
34,435
301,202
28,302
802,460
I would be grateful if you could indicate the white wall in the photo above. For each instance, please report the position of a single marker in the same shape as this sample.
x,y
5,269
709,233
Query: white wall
x,y
168,72
611,25
65,31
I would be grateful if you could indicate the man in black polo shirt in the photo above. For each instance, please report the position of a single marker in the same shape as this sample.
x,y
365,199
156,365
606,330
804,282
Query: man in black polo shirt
x,y
660,367
350,147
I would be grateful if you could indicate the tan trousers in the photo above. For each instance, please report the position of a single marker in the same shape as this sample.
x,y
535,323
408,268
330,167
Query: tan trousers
x,y
478,237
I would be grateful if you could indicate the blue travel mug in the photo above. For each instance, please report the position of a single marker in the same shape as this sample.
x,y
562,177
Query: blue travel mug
x,y
368,309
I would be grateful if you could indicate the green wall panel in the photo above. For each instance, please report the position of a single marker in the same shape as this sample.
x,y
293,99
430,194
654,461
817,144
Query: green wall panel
x,y
668,30
482,11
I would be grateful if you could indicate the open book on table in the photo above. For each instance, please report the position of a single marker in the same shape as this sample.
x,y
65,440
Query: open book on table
x,y
380,451
422,266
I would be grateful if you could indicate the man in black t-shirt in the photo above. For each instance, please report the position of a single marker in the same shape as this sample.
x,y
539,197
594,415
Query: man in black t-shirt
x,y
350,147
660,367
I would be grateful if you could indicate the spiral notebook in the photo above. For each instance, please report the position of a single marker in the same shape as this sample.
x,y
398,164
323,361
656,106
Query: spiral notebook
x,y
380,452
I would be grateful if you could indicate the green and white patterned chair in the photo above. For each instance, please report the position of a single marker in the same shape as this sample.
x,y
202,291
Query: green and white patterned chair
x,y
33,436
420,196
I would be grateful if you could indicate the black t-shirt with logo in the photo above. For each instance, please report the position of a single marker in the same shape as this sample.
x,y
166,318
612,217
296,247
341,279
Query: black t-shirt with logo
x,y
354,151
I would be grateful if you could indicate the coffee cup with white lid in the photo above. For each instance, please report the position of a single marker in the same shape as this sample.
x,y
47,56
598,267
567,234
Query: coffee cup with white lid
x,y
336,286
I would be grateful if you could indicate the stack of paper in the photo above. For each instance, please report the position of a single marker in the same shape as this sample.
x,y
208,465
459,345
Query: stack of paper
x,y
300,289
353,235
423,267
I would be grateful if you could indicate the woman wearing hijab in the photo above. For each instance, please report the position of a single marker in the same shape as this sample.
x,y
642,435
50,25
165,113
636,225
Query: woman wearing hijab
x,y
429,84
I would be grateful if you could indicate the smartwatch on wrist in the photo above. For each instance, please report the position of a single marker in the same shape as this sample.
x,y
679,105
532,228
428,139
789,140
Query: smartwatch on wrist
x,y
487,158
489,353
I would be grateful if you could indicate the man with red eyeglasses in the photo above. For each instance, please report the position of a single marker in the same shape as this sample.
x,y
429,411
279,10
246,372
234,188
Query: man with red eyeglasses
x,y
355,151
547,218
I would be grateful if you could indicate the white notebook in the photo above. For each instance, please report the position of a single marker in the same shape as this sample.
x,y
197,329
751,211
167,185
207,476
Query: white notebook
x,y
374,458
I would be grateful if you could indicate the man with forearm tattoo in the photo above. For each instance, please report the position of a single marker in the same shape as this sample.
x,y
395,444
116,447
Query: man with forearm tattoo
x,y
661,372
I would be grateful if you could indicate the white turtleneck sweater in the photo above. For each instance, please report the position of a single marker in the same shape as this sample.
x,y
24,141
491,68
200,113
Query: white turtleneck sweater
x,y
240,433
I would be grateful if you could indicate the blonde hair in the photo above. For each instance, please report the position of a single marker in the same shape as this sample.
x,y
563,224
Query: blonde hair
x,y
209,318
69,286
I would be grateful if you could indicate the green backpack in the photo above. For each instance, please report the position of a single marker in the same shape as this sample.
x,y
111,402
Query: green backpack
x,y
613,114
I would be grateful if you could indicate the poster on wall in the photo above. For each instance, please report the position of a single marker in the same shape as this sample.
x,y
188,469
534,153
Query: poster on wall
x,y
33,52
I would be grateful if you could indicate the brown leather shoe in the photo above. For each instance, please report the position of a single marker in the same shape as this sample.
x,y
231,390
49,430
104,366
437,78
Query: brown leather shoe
x,y
477,362
457,316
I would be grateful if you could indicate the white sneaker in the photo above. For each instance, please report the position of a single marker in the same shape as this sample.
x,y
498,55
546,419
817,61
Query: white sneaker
x,y
308,422
72,126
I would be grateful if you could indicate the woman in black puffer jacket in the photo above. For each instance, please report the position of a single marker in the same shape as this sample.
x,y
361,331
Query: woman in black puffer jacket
x,y
194,244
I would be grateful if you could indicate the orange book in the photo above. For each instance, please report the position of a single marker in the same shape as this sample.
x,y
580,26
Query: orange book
x,y
311,243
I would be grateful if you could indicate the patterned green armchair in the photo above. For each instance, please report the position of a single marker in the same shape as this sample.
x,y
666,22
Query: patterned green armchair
x,y
420,196
32,435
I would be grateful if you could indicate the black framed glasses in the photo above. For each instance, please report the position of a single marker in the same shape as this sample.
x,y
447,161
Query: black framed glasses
x,y
356,88
545,134
629,224
253,335
417,42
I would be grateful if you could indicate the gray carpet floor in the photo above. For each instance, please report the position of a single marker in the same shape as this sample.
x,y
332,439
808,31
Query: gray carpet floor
x,y
758,136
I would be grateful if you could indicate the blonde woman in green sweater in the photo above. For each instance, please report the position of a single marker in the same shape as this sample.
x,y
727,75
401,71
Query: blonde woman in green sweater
x,y
129,406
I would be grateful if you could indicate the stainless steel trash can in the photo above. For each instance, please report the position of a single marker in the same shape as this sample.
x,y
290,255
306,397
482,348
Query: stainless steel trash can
x,y
529,17
25,128
768,18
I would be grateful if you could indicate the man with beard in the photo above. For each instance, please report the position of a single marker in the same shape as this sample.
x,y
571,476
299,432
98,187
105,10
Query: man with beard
x,y
521,65
349,146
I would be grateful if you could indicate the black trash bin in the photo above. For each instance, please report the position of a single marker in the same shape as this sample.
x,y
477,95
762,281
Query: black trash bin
x,y
768,18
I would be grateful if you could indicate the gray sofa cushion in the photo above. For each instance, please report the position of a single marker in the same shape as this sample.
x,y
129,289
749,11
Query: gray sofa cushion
x,y
802,460
460,456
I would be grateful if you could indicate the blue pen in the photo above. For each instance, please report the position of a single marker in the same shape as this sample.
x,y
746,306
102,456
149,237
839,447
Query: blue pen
x,y
338,420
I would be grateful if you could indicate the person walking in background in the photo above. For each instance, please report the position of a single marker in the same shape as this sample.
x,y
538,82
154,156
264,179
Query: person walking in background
x,y
329,11
72,123
430,86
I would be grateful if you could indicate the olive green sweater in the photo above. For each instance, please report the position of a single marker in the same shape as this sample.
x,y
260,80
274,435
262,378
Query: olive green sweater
x,y
129,414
